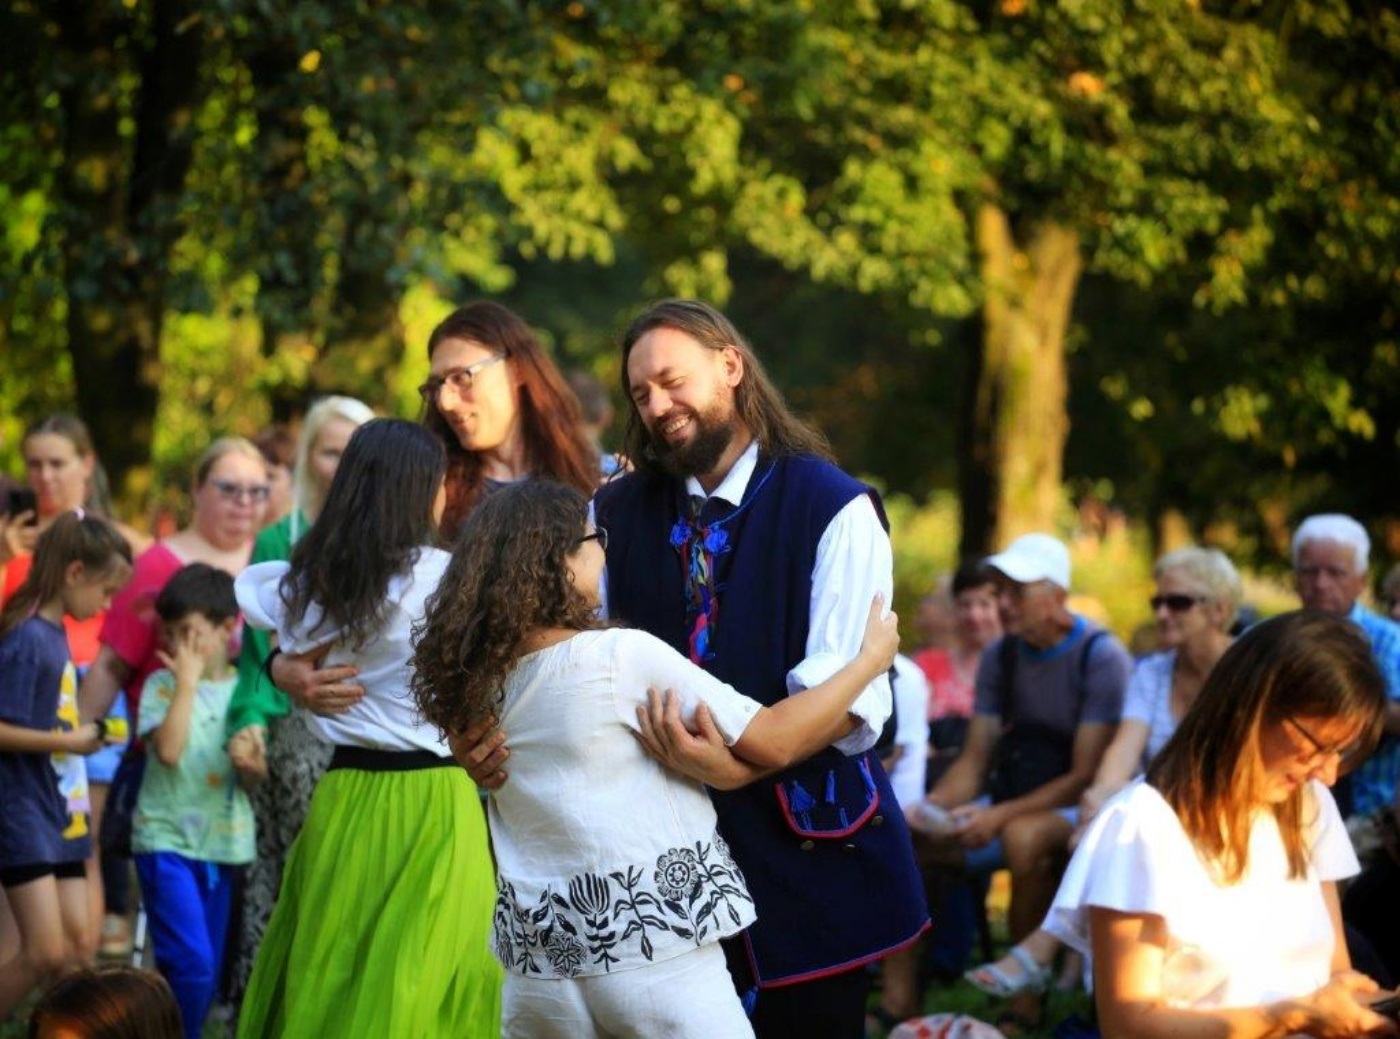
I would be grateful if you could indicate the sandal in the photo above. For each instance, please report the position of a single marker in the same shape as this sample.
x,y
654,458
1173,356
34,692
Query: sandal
x,y
994,981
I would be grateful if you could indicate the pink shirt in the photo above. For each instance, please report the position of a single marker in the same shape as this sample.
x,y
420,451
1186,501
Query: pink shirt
x,y
132,628
948,695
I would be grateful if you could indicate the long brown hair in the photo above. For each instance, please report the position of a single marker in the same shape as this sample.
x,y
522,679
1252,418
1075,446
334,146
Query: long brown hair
x,y
71,538
555,444
759,404
509,576
111,1002
1305,663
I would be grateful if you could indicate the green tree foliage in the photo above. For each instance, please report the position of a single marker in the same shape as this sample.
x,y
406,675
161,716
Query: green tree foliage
x,y
233,204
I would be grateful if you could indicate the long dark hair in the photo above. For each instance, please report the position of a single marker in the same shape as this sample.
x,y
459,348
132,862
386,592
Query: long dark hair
x,y
1303,663
761,407
71,538
555,444
509,576
378,514
110,1002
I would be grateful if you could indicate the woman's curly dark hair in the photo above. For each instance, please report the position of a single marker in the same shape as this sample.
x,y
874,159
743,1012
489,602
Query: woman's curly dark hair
x,y
509,576
377,516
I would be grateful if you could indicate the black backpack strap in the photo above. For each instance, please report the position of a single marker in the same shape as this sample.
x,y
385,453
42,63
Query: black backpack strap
x,y
1006,663
1085,651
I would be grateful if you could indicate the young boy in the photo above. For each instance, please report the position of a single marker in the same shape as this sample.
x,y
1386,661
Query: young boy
x,y
193,824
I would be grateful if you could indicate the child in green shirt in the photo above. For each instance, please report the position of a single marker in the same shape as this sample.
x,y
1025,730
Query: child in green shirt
x,y
193,825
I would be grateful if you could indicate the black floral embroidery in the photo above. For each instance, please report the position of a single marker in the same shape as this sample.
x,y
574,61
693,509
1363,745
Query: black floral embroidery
x,y
676,873
592,922
565,953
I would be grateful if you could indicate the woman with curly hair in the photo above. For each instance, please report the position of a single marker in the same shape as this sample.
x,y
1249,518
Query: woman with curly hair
x,y
382,922
613,884
504,414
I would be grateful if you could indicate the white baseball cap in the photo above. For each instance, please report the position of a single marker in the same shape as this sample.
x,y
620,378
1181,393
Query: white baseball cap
x,y
1034,557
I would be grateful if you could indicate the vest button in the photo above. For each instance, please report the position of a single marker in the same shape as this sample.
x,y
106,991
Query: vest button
x,y
848,847
807,845
877,820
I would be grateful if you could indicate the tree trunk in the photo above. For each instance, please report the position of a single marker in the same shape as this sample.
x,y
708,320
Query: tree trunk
x,y
289,271
119,218
365,343
1017,422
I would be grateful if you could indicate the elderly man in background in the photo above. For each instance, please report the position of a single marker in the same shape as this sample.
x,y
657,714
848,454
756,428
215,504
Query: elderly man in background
x,y
1331,553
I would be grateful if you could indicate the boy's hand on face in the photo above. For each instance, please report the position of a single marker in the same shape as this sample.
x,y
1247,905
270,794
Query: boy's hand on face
x,y
186,656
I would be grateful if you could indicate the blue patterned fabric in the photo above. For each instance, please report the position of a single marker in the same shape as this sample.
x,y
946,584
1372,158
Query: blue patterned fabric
x,y
1374,783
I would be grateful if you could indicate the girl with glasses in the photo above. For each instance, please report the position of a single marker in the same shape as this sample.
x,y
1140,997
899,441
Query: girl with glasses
x,y
1207,891
613,885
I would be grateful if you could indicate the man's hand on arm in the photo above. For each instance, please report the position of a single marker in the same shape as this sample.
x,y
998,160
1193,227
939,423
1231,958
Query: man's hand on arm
x,y
702,755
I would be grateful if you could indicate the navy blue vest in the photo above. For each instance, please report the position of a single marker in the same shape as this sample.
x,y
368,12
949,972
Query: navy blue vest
x,y
823,846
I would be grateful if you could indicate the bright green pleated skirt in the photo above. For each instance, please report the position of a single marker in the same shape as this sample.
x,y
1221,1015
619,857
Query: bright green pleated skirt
x,y
383,924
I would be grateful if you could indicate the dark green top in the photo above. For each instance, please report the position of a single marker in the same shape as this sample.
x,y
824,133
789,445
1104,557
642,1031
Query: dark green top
x,y
256,700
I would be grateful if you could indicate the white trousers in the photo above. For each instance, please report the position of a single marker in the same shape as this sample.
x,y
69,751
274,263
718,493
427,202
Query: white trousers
x,y
688,997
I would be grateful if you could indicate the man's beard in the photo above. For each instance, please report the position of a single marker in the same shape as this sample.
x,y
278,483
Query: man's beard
x,y
714,432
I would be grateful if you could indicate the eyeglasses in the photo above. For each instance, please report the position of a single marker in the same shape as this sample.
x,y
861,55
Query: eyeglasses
x,y
1176,603
599,534
230,491
460,379
1320,751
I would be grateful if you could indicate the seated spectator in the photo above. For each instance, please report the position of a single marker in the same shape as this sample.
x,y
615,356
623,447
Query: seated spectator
x,y
1198,591
1330,557
1206,891
1049,696
951,670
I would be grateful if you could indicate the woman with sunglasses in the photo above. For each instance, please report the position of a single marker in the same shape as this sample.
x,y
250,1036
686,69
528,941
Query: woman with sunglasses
x,y
229,495
1207,891
1198,594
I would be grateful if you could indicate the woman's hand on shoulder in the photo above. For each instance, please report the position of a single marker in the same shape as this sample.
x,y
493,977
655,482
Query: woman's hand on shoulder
x,y
701,753
326,691
481,750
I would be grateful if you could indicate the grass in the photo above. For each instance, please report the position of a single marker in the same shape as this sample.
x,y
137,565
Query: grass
x,y
961,998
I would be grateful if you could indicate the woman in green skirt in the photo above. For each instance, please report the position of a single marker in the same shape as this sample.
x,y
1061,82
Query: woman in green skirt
x,y
383,922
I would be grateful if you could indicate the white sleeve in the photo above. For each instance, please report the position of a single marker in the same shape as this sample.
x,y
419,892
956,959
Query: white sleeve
x,y
1130,860
642,661
911,706
258,590
1332,856
854,561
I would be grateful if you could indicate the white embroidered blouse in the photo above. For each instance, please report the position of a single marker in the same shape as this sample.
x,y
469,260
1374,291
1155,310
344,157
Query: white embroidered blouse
x,y
606,860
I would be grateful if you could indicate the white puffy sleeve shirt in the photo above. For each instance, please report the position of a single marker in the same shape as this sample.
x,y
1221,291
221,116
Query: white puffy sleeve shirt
x,y
1262,939
386,718
605,859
